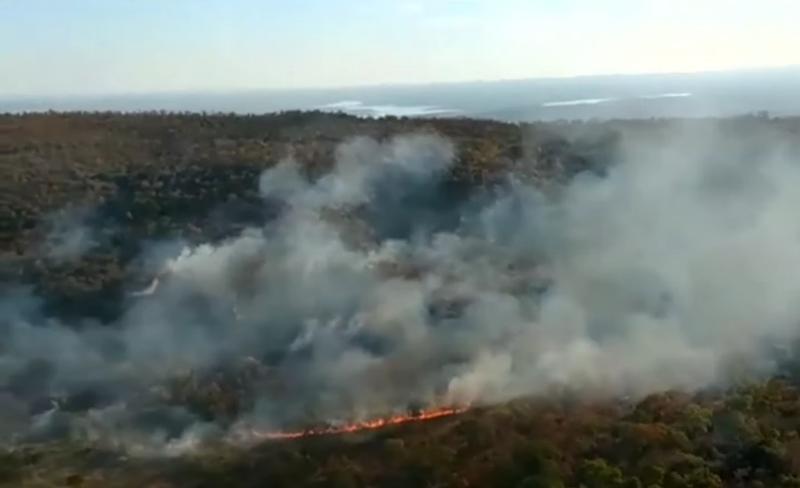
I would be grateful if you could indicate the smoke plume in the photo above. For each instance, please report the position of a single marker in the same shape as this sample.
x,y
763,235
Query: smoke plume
x,y
69,234
378,289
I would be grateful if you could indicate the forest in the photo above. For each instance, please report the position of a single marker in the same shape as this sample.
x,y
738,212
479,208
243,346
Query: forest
x,y
84,196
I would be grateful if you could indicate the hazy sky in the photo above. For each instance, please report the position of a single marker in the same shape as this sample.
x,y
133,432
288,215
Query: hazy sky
x,y
113,46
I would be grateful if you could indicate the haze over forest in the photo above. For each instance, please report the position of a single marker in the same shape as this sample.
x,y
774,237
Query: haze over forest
x,y
712,94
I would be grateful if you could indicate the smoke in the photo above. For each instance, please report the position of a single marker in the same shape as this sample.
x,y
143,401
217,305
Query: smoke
x,y
69,234
377,290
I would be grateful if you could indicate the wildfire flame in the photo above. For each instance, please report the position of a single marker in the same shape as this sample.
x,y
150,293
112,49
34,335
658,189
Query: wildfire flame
x,y
374,424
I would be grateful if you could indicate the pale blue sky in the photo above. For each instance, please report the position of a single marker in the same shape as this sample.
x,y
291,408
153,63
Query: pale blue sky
x,y
56,47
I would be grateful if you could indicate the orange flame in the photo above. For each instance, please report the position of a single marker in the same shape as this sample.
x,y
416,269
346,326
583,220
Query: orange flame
x,y
358,426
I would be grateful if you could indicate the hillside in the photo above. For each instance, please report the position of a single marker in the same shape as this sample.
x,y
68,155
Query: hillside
x,y
306,267
195,177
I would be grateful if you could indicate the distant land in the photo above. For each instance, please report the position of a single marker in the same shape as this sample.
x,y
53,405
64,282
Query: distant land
x,y
712,94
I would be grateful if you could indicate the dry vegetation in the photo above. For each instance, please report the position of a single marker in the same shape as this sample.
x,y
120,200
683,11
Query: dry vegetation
x,y
191,176
194,176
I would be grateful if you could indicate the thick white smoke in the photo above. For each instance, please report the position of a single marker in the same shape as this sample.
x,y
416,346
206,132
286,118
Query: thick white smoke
x,y
655,273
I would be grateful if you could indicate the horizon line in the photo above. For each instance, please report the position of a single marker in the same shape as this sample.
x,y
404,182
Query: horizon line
x,y
387,85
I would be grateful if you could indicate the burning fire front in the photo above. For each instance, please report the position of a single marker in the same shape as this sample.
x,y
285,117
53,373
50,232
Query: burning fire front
x,y
256,435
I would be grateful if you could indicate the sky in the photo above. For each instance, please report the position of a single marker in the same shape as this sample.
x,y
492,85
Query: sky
x,y
96,47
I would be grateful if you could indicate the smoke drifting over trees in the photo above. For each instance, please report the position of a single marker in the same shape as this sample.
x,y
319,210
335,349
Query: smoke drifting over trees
x,y
380,286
